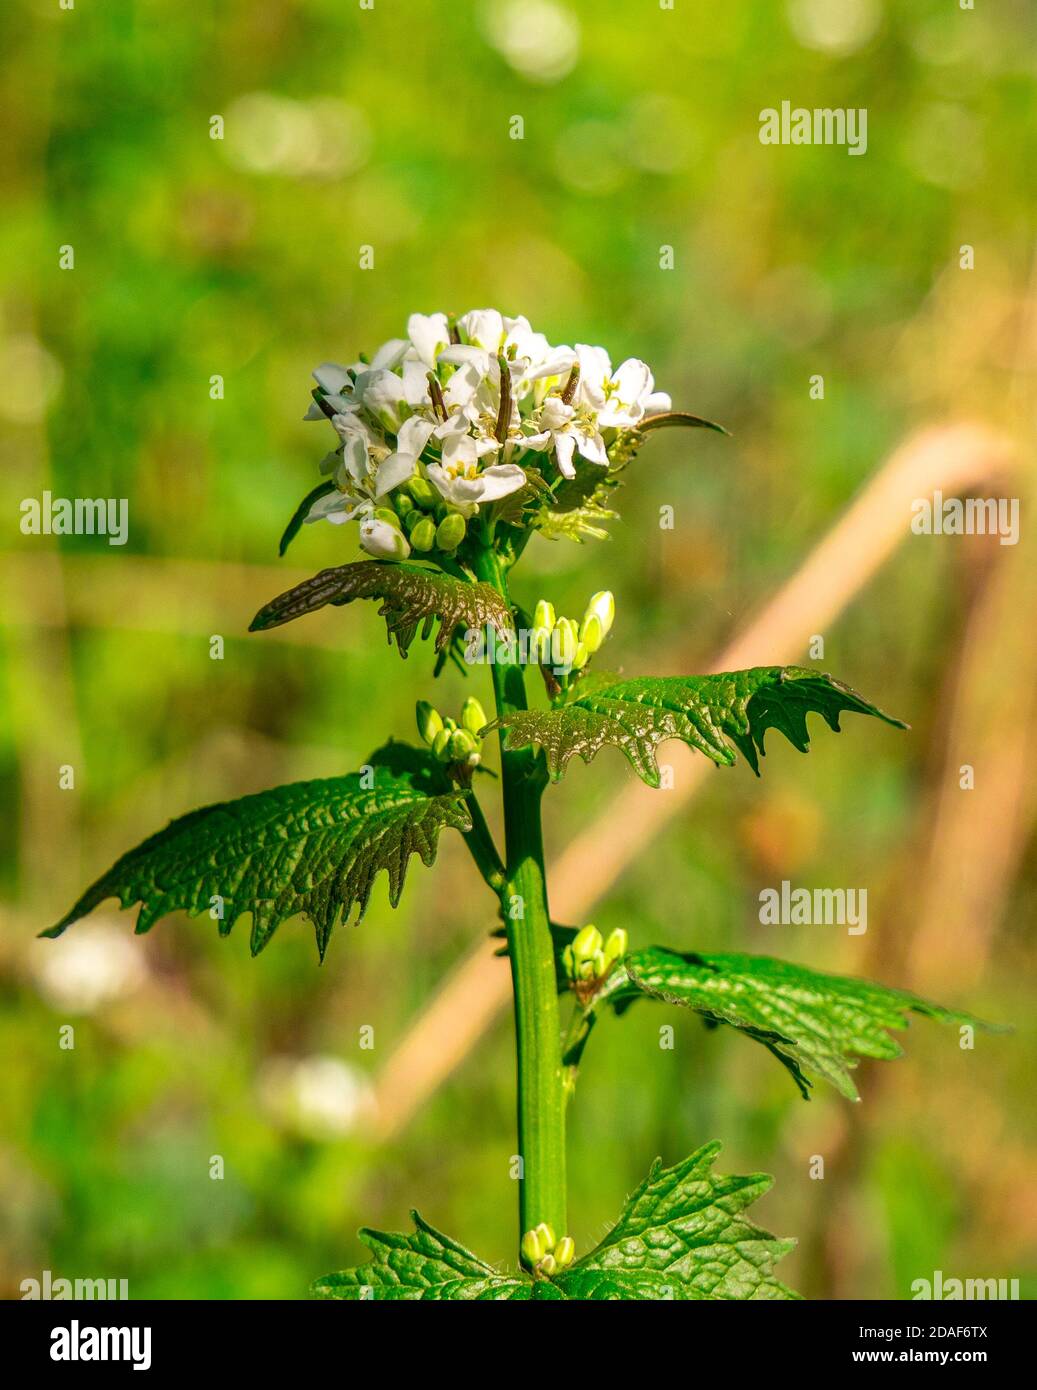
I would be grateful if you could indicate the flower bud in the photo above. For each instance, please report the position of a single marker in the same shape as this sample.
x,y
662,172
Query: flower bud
x,y
581,658
411,518
564,642
424,494
423,537
441,745
383,541
603,607
402,501
544,615
548,1265
430,721
451,531
616,946
461,745
473,716
532,1249
569,962
591,634
388,515
547,1236
564,1252
586,942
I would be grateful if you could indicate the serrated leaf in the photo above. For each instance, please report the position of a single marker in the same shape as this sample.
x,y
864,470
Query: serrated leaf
x,y
812,1023
311,847
715,714
423,1264
683,1236
411,595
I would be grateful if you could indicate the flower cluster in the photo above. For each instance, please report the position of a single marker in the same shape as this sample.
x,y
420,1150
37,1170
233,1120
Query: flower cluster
x,y
566,645
589,957
457,415
450,742
543,1253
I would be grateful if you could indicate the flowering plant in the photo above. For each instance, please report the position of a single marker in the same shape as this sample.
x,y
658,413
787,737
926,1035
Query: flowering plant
x,y
454,445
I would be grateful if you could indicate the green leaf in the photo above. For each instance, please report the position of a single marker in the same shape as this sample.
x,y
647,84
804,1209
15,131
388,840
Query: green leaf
x,y
421,1265
682,1235
312,847
411,596
678,418
821,1024
710,713
301,512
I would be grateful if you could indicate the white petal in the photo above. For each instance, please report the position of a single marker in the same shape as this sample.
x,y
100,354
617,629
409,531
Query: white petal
x,y
564,446
382,540
429,333
414,435
393,471
500,480
657,403
329,376
558,363
383,397
483,327
633,381
592,447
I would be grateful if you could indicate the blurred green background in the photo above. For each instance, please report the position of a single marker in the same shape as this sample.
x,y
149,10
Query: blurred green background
x,y
195,257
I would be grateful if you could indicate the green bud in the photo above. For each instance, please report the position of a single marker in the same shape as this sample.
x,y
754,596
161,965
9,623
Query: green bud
x,y
387,514
586,942
532,1249
617,945
441,745
424,494
598,963
586,969
402,501
564,642
410,519
547,1236
461,745
581,658
449,723
451,531
423,537
564,1252
544,615
430,721
591,633
603,607
473,716
569,961
548,1265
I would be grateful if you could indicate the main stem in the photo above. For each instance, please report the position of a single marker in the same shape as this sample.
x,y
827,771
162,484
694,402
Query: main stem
x,y
541,1100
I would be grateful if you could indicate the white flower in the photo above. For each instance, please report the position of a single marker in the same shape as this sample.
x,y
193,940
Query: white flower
x,y
466,488
621,400
429,335
381,393
399,466
482,328
382,540
565,431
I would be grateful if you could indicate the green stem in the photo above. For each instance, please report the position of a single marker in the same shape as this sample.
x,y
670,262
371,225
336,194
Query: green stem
x,y
481,847
541,1100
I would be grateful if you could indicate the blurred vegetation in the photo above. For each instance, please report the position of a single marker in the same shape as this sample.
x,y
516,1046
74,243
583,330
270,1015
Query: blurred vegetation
x,y
239,257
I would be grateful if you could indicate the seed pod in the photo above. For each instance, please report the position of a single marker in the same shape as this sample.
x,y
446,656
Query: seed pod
x,y
451,531
430,721
423,537
473,716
